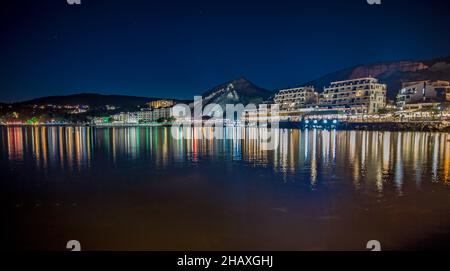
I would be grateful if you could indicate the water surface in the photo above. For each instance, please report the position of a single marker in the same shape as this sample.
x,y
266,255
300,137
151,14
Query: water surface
x,y
140,189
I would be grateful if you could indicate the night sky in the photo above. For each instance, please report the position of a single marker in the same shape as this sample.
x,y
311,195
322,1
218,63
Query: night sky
x,y
182,48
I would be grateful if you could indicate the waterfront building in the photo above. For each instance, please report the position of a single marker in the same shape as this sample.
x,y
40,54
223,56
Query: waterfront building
x,y
148,116
125,118
423,92
161,104
145,116
296,98
161,113
362,95
100,120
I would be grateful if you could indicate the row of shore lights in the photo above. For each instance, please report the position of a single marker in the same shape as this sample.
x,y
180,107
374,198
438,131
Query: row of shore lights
x,y
323,122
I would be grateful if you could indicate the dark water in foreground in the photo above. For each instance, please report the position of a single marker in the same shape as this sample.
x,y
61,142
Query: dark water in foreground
x,y
140,189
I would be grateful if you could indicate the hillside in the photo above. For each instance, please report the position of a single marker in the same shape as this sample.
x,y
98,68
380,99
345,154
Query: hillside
x,y
90,99
236,91
391,73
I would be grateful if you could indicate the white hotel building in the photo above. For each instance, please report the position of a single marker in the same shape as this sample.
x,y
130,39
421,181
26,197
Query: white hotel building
x,y
147,116
423,92
362,95
296,98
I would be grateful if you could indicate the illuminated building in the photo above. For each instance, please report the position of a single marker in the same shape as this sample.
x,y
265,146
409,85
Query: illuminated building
x,y
423,91
161,104
161,113
125,118
145,115
362,95
296,98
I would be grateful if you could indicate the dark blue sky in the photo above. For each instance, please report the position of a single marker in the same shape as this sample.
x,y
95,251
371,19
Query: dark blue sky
x,y
181,48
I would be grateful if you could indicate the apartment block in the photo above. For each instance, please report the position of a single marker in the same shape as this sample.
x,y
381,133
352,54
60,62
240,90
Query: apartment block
x,y
423,92
296,98
362,95
159,113
125,118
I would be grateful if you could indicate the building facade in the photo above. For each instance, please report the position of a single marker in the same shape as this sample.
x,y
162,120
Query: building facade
x,y
362,95
161,104
296,98
125,118
145,116
148,116
161,113
423,92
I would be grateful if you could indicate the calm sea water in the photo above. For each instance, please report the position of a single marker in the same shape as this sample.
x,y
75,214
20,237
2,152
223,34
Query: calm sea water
x,y
140,189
